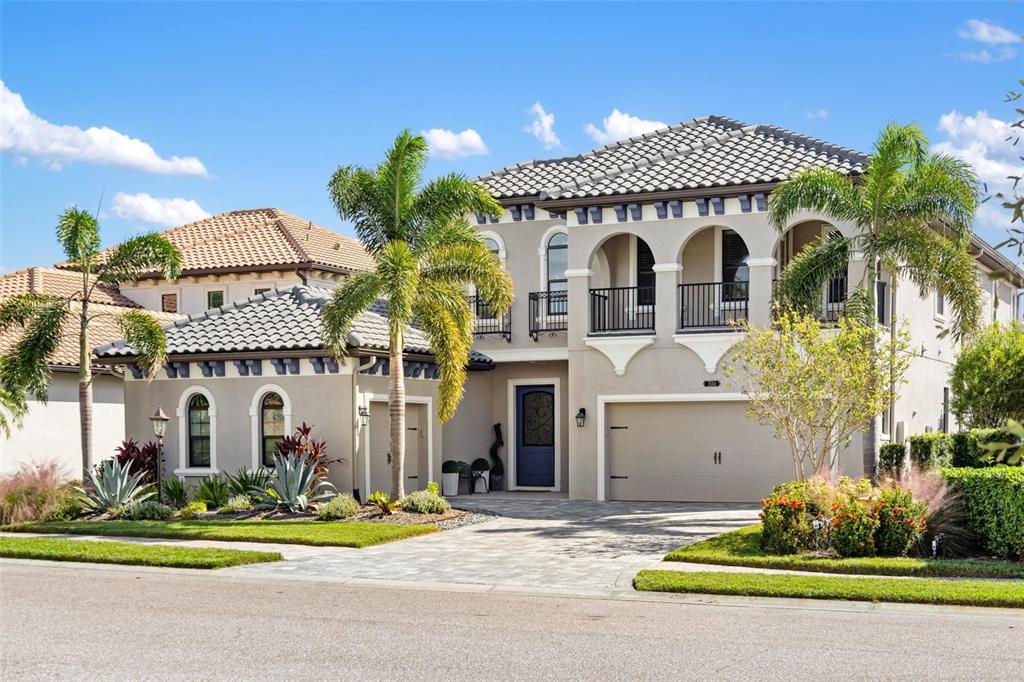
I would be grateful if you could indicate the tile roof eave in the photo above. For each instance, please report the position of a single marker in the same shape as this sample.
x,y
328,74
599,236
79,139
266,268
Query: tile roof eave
x,y
356,351
723,190
269,267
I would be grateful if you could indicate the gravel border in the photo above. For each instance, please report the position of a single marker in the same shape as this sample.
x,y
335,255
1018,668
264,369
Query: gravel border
x,y
470,519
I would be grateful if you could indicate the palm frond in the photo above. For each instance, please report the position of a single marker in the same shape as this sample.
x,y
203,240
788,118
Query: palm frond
x,y
19,310
26,368
816,189
131,258
941,189
79,236
13,405
146,337
353,192
398,269
473,263
447,197
398,178
355,295
802,283
444,314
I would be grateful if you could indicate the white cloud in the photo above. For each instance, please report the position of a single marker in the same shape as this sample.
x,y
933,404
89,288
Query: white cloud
x,y
816,113
543,126
979,30
157,210
448,144
983,142
27,135
619,125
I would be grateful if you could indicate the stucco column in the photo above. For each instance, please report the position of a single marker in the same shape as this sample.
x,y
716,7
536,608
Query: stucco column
x,y
855,270
761,270
666,298
579,306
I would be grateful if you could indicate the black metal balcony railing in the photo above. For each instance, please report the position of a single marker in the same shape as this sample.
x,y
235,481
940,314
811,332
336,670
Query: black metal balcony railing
x,y
621,309
549,312
713,305
488,323
835,300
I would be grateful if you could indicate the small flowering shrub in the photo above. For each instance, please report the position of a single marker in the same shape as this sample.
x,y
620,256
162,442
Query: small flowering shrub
x,y
341,506
853,527
236,504
146,510
901,521
191,509
425,502
785,524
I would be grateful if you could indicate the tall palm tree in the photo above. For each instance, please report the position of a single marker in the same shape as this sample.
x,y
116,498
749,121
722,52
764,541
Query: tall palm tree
x,y
426,253
45,319
912,212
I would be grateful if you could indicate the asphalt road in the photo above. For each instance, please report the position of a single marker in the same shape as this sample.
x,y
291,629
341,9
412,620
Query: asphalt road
x,y
68,622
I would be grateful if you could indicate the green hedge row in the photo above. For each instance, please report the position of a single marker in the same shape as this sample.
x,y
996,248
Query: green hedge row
x,y
962,449
994,498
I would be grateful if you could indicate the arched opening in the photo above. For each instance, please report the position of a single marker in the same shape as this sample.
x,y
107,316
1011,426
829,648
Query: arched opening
x,y
795,240
199,450
622,286
714,291
271,427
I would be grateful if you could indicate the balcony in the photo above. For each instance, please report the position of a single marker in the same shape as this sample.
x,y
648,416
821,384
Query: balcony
x,y
549,313
713,306
622,310
489,324
833,302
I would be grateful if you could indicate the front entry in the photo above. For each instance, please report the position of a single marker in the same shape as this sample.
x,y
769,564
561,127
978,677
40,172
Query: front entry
x,y
535,436
380,447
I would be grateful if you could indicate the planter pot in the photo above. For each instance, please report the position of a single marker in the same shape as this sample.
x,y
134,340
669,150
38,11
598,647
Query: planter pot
x,y
496,481
450,484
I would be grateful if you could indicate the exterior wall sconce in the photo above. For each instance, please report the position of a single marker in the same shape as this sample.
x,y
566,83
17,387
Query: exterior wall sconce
x,y
581,417
364,415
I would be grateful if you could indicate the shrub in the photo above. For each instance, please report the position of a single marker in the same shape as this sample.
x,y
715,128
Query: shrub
x,y
988,378
450,466
901,521
236,504
143,460
425,502
304,446
191,509
214,491
433,487
147,510
969,449
70,506
994,499
382,501
481,464
892,457
35,492
852,530
175,492
293,484
245,481
931,450
112,484
785,525
342,506
945,514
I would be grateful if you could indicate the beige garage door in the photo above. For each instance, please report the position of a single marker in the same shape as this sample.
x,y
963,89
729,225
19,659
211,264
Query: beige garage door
x,y
667,451
380,447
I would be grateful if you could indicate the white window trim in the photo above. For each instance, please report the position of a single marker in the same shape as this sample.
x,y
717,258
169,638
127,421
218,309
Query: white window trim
x,y
254,418
206,295
176,291
542,253
939,317
490,234
364,400
182,413
510,451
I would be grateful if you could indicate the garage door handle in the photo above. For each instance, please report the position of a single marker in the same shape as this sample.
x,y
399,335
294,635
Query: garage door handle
x,y
618,477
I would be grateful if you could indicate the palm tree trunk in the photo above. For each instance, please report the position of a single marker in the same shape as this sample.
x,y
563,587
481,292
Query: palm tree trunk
x,y
85,391
396,412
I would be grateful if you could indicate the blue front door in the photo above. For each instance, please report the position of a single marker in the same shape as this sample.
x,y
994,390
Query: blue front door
x,y
535,436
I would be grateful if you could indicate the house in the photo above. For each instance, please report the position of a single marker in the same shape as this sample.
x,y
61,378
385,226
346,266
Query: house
x,y
51,431
630,264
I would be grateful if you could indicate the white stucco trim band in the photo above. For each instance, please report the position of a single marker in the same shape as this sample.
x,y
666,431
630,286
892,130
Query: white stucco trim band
x,y
603,400
527,354
578,272
619,349
254,418
709,347
182,414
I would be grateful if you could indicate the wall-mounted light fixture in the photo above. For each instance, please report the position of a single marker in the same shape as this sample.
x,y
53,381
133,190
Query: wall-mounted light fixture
x,y
364,415
581,417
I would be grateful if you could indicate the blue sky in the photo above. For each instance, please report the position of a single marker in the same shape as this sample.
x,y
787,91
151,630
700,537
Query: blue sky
x,y
244,105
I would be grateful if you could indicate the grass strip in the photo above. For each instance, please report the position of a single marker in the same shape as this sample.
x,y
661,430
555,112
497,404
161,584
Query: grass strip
x,y
908,591
743,548
110,552
317,533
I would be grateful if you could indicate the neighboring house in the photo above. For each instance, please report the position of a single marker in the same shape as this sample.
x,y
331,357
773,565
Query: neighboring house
x,y
50,432
631,263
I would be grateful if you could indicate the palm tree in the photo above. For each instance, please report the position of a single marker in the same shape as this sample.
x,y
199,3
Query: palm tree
x,y
912,212
45,319
426,253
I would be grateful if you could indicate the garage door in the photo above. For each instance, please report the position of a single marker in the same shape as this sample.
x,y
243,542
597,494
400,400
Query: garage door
x,y
667,451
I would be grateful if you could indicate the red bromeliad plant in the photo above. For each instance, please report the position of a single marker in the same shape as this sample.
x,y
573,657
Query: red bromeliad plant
x,y
142,459
305,446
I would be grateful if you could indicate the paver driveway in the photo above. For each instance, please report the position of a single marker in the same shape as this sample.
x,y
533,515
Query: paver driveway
x,y
537,541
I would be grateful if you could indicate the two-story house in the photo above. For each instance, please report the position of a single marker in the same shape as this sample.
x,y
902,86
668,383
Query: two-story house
x,y
631,265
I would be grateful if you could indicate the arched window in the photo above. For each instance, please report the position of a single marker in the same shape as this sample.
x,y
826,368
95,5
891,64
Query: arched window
x,y
198,431
271,426
557,261
493,247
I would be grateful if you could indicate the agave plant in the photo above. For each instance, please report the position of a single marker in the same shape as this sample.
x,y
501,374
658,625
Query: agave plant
x,y
293,484
112,484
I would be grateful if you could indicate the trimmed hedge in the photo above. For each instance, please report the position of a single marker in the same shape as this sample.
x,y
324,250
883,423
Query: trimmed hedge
x,y
964,449
931,450
892,457
994,498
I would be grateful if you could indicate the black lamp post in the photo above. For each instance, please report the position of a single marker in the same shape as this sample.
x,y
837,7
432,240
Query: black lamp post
x,y
159,420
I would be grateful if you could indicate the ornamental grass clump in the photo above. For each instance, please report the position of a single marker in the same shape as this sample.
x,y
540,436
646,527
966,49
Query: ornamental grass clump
x,y
37,493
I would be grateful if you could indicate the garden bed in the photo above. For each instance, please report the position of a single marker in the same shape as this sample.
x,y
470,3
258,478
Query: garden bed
x,y
109,552
366,514
743,548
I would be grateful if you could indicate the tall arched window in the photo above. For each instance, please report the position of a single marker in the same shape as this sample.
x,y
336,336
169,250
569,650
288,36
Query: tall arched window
x,y
271,426
492,246
558,285
198,431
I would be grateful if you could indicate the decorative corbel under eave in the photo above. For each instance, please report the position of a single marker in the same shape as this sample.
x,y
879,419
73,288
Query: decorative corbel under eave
x,y
581,214
710,348
702,206
677,208
619,350
635,211
528,211
211,368
718,203
662,209
620,212
517,213
761,199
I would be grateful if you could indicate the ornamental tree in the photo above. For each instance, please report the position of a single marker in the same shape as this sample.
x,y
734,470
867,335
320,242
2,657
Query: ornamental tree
x,y
814,385
988,378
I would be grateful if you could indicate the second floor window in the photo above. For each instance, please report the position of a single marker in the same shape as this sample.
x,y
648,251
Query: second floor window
x,y
735,272
198,431
558,285
493,247
644,273
169,303
214,299
940,304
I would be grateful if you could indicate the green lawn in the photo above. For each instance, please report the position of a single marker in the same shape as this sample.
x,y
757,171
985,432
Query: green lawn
x,y
319,533
906,590
743,548
104,552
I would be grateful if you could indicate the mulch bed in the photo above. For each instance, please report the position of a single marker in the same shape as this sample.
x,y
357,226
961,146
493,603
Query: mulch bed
x,y
366,513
